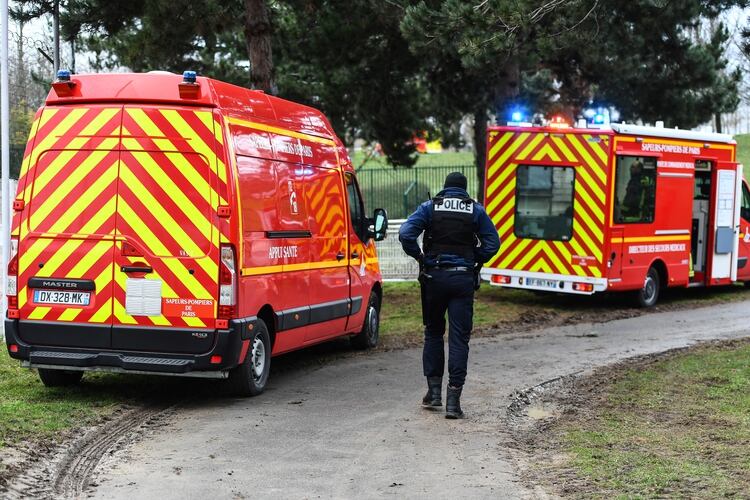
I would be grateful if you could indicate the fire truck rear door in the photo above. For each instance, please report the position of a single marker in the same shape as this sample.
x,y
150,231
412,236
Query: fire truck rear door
x,y
727,184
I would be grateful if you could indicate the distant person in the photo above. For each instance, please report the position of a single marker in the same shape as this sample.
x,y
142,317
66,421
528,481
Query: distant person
x,y
459,237
631,204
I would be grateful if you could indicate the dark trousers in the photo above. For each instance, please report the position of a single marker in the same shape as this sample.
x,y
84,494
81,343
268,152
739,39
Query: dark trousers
x,y
451,291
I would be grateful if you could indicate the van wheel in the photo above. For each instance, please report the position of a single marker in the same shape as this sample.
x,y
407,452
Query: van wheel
x,y
649,294
368,337
250,378
59,378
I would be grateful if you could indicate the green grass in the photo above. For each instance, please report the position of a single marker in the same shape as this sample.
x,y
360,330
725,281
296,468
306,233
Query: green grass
x,y
31,412
679,428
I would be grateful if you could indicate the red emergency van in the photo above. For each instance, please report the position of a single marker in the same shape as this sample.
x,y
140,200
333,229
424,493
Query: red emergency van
x,y
625,207
178,225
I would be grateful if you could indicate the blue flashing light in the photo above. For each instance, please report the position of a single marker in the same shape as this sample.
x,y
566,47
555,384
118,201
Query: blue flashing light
x,y
516,116
189,76
63,75
599,118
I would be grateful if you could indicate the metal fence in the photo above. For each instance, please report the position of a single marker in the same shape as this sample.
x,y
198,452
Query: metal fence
x,y
394,263
401,190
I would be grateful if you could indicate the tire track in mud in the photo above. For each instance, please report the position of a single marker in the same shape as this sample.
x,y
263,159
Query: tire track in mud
x,y
67,473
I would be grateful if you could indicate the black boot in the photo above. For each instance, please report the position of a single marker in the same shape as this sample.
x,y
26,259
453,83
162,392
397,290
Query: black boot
x,y
453,403
433,397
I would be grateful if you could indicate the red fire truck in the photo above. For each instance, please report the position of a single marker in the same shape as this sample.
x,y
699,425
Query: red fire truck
x,y
628,207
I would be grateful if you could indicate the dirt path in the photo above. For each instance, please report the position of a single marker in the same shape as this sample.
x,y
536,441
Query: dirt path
x,y
352,428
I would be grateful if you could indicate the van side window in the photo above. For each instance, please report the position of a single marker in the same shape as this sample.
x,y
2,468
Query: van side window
x,y
356,208
635,189
745,208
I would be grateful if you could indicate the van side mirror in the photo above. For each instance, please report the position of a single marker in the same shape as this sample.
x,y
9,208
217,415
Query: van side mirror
x,y
380,224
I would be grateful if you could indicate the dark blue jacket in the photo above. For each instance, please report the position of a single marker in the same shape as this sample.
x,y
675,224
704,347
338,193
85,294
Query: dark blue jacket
x,y
421,219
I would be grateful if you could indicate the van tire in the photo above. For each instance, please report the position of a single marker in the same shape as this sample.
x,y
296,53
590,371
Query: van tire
x,y
250,378
368,337
59,378
649,294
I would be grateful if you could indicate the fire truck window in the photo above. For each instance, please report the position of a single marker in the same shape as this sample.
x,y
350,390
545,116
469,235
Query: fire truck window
x,y
745,208
356,209
635,189
544,202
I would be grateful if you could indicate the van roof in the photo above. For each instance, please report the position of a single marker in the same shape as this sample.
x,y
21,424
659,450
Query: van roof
x,y
161,87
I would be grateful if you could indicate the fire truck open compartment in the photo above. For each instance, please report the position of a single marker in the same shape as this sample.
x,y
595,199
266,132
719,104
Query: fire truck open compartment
x,y
621,208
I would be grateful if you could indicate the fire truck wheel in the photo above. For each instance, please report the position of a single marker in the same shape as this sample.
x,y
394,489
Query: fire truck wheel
x,y
59,378
649,294
250,378
368,337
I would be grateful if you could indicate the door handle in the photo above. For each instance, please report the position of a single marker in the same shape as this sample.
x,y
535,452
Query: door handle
x,y
355,255
340,256
136,269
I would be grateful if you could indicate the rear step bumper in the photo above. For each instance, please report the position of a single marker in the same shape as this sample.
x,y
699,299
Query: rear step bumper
x,y
228,345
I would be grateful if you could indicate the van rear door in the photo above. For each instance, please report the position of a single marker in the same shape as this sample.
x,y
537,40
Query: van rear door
x,y
167,241
66,234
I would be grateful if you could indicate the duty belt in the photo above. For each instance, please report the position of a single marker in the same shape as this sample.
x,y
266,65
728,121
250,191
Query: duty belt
x,y
457,268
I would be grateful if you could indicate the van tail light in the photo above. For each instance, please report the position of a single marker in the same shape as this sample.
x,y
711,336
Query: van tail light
x,y
227,282
583,287
12,288
499,279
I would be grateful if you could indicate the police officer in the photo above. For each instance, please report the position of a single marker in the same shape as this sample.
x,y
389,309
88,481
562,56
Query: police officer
x,y
458,238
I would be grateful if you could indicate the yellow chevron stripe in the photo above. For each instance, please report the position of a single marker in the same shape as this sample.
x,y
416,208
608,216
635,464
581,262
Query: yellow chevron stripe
x,y
91,194
528,256
211,124
598,151
64,192
41,179
584,175
32,136
508,153
497,198
502,141
590,224
510,169
563,249
102,314
186,205
156,247
582,189
173,154
54,135
514,253
563,147
523,155
589,160
281,131
179,123
167,222
546,151
39,312
69,314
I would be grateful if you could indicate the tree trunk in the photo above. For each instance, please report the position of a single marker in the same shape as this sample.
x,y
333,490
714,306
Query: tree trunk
x,y
480,149
717,118
258,42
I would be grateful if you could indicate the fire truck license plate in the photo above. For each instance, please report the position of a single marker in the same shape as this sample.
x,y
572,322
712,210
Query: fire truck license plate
x,y
541,282
64,298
